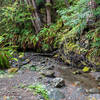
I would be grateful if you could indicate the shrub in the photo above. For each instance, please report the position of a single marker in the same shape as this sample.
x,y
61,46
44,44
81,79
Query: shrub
x,y
5,55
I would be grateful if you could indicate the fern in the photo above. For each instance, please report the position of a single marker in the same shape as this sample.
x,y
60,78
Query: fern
x,y
76,15
5,54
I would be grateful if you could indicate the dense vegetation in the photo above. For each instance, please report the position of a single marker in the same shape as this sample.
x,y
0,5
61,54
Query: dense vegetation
x,y
72,26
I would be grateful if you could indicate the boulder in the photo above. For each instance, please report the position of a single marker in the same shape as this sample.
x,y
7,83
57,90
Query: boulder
x,y
96,75
94,91
55,94
48,73
58,82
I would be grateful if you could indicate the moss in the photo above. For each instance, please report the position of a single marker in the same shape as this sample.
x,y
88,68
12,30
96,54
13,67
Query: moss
x,y
12,70
48,4
86,69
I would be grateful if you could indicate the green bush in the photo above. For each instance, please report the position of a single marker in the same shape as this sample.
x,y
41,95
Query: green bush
x,y
75,19
15,19
4,62
5,55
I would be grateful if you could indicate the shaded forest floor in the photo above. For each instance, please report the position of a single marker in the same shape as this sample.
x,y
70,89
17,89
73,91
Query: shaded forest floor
x,y
57,78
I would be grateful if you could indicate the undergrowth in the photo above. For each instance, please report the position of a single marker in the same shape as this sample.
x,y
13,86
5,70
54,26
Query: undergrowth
x,y
6,53
82,29
16,23
77,26
39,89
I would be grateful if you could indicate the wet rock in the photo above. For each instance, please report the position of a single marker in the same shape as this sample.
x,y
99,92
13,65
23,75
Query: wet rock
x,y
26,62
96,75
93,91
99,84
12,70
28,66
20,98
43,61
81,90
20,72
50,67
77,72
58,82
55,94
15,65
48,73
97,78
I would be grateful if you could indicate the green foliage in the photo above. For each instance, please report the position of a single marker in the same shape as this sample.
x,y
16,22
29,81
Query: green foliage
x,y
76,15
15,22
15,19
74,47
94,38
48,4
75,20
40,89
59,4
86,69
4,62
5,54
38,2
47,38
2,72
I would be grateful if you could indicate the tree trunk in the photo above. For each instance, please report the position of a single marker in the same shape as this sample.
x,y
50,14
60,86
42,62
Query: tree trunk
x,y
66,3
48,11
36,21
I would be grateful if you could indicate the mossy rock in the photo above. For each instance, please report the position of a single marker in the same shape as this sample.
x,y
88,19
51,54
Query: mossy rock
x,y
86,69
12,70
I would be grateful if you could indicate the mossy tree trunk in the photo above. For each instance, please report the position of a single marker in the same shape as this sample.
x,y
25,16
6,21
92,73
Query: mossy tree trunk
x,y
48,11
66,3
36,19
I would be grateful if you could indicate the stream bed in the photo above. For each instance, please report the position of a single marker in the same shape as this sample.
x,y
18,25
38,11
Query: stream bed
x,y
56,77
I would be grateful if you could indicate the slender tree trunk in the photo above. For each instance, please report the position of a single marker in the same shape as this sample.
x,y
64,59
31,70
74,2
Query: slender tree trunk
x,y
36,21
33,22
66,3
48,11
